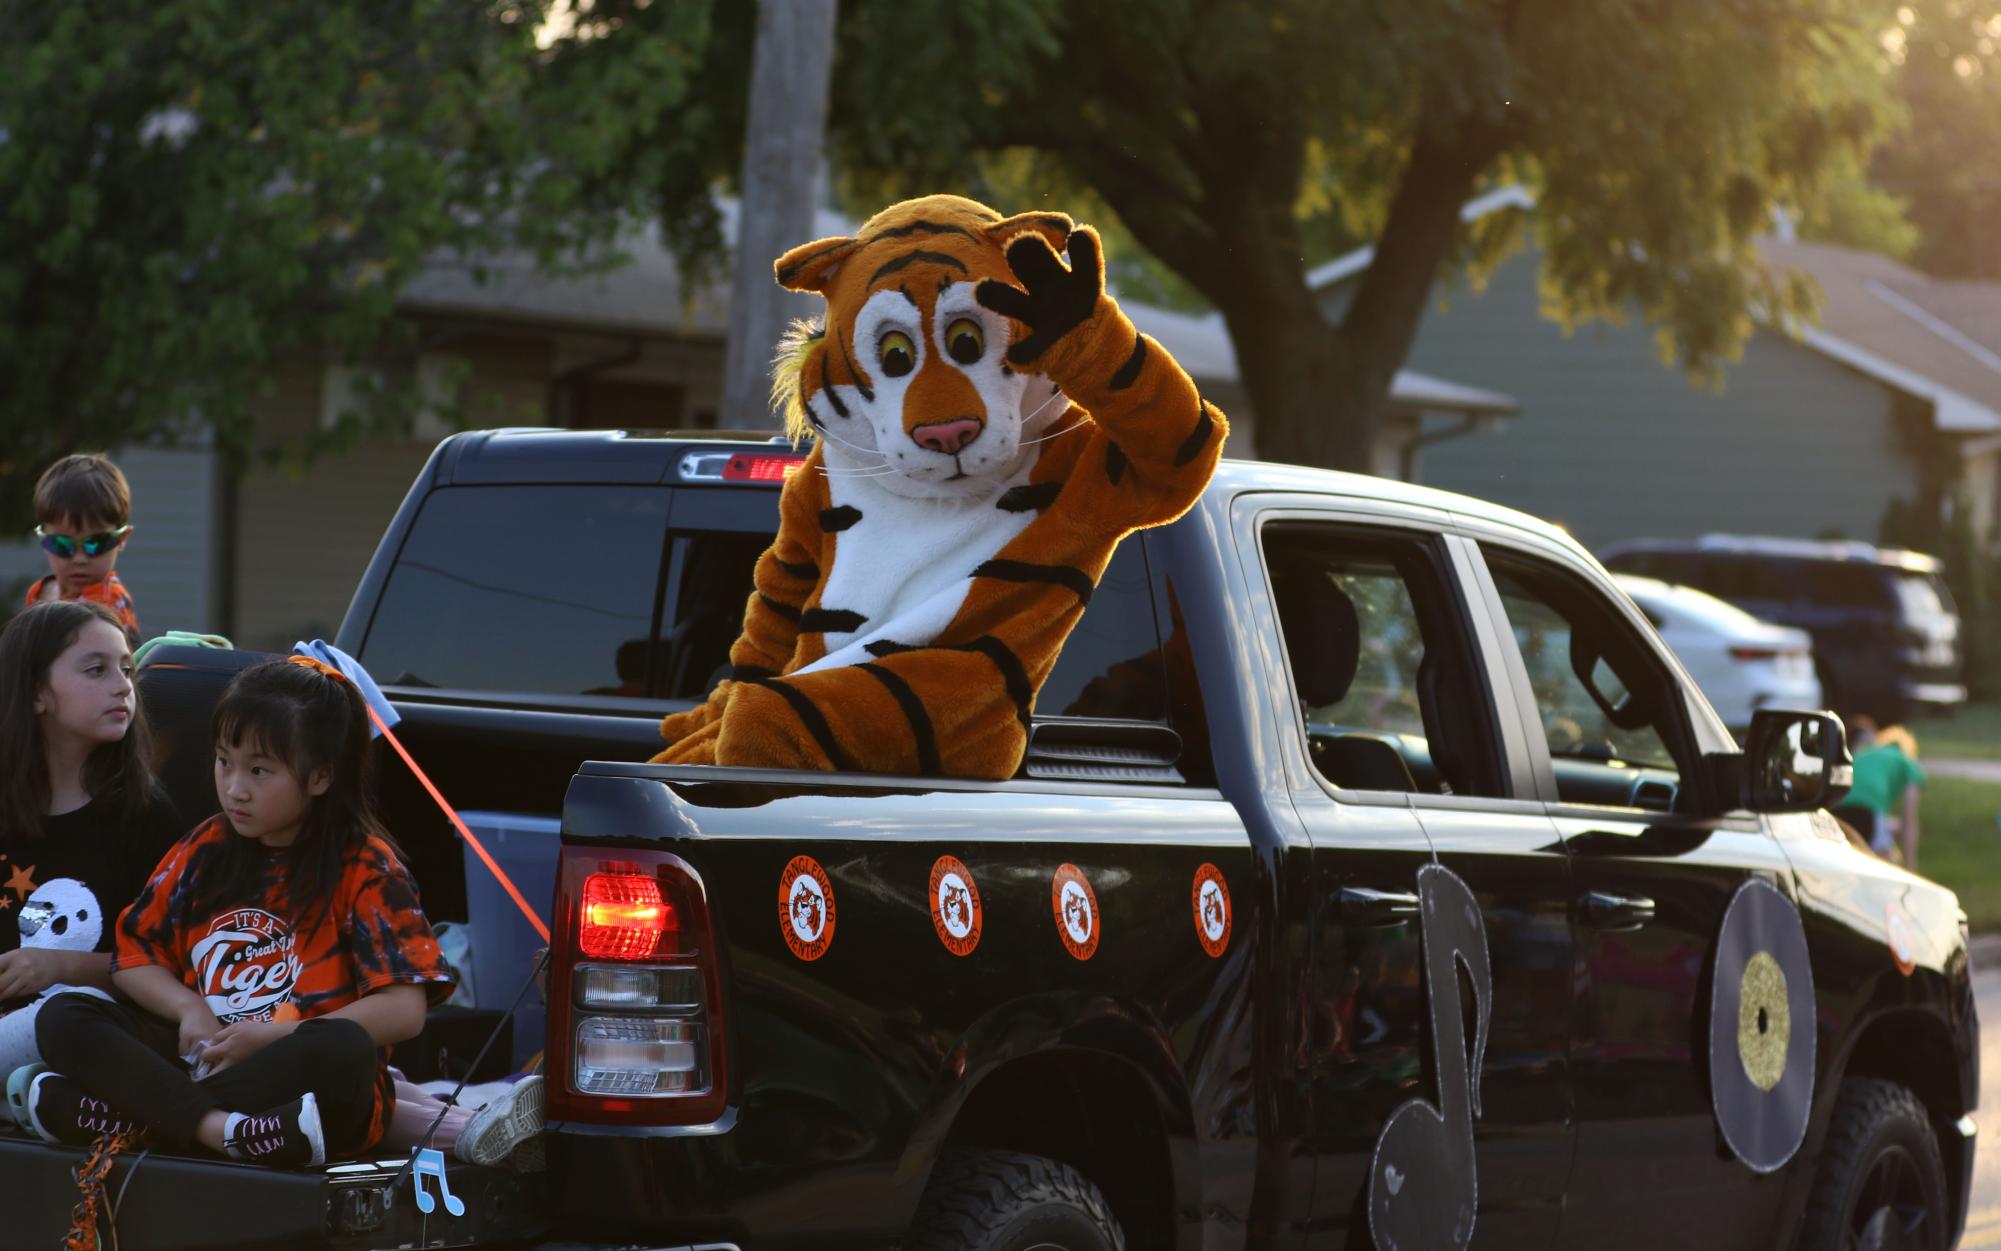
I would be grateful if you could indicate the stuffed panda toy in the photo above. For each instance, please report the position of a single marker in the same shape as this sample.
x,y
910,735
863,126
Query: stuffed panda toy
x,y
62,915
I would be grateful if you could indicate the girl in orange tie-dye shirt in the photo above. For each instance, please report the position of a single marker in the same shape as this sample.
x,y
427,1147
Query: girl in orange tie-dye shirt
x,y
273,953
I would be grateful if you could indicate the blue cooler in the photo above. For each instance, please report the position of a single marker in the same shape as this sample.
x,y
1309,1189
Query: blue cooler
x,y
504,944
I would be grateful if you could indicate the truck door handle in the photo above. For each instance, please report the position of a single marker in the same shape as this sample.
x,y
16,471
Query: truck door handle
x,y
1362,906
1614,912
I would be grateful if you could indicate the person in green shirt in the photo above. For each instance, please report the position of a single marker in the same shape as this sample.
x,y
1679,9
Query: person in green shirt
x,y
1887,781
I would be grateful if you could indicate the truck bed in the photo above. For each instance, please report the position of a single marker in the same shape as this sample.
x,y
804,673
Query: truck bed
x,y
174,1202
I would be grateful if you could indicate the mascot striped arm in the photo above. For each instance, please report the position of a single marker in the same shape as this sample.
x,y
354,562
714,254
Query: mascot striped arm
x,y
988,425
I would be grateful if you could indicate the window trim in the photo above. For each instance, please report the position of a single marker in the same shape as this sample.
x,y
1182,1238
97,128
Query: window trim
x,y
1429,532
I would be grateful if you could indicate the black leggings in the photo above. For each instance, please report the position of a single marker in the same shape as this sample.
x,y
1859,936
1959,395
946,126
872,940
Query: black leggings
x,y
128,1058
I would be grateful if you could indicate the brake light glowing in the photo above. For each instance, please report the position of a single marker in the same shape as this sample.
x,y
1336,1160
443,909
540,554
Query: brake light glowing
x,y
638,1025
624,917
760,467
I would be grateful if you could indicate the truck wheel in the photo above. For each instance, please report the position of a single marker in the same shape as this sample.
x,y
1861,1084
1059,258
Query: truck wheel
x,y
1881,1185
1007,1201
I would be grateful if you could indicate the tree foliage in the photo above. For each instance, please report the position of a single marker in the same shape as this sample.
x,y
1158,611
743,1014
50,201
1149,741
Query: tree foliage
x,y
1230,136
191,189
1944,162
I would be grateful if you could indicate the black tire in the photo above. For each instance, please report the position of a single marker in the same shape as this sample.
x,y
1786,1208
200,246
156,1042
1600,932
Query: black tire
x,y
1007,1201
1881,1184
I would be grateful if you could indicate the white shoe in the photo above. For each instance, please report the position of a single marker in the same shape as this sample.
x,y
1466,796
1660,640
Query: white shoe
x,y
497,1129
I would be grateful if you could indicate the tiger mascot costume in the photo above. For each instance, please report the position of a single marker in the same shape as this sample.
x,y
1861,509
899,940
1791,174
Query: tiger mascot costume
x,y
980,449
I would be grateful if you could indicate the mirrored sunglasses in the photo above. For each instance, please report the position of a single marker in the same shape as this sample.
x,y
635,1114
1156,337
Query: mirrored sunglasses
x,y
62,546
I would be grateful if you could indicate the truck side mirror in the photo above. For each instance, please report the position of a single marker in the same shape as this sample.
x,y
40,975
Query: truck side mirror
x,y
1792,762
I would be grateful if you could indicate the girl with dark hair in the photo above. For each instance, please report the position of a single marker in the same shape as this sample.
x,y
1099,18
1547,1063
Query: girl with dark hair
x,y
82,822
276,949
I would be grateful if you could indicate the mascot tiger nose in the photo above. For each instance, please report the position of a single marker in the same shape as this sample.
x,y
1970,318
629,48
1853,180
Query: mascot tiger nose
x,y
986,426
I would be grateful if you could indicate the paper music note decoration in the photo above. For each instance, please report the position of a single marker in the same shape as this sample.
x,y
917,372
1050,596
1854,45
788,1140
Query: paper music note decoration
x,y
432,1162
1423,1191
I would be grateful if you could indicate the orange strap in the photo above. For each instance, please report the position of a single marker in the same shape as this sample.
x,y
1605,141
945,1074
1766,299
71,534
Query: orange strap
x,y
499,875
90,1174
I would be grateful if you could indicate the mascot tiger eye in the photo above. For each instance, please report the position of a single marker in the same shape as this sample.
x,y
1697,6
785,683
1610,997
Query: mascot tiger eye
x,y
987,426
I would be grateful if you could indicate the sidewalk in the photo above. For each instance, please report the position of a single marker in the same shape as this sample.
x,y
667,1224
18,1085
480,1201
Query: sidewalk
x,y
1974,770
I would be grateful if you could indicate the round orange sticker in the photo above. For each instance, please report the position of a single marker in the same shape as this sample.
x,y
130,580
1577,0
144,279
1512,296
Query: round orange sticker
x,y
1211,899
955,906
1076,907
806,908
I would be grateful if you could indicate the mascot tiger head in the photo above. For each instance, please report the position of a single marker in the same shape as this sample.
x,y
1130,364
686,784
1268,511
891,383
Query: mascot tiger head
x,y
906,380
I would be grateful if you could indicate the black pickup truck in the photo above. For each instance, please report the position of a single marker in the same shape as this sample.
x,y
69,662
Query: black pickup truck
x,y
1374,877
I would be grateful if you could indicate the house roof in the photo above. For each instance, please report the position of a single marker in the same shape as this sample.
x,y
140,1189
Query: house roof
x,y
646,296
1937,340
1945,335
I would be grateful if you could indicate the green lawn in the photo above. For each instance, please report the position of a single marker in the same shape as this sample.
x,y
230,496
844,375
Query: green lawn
x,y
1972,733
1959,843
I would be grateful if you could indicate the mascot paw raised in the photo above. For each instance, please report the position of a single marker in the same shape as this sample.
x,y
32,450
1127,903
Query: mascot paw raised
x,y
987,426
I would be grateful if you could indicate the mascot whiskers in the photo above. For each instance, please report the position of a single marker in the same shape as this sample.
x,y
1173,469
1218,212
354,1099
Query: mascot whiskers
x,y
988,425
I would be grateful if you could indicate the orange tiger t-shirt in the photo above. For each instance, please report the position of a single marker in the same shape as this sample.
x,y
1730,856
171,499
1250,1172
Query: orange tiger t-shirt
x,y
111,593
250,963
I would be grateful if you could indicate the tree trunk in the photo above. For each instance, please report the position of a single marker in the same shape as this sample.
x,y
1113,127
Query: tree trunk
x,y
1319,391
781,164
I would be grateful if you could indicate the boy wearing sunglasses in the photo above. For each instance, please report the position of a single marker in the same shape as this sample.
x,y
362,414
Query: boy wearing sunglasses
x,y
84,505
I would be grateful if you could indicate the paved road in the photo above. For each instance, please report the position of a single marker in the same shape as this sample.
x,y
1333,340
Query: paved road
x,y
1983,1224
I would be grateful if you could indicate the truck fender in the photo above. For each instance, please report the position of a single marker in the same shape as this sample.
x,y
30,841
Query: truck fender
x,y
1093,1031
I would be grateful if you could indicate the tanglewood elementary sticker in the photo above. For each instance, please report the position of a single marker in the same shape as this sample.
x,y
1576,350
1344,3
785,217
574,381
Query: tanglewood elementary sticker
x,y
806,908
955,906
1076,907
1211,899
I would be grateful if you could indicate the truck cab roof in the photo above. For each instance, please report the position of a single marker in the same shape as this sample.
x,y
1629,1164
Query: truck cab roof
x,y
671,457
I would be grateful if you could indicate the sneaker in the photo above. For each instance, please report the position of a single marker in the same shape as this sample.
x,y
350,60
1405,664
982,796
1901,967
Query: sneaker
x,y
288,1136
17,1093
59,1112
510,1119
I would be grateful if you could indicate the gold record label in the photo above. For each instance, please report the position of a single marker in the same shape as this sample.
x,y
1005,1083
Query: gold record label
x,y
1764,1024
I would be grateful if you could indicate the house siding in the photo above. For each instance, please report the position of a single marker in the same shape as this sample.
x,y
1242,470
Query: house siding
x,y
1612,444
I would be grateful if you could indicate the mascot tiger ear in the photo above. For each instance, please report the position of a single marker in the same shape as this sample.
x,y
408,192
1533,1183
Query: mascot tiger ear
x,y
1053,227
812,266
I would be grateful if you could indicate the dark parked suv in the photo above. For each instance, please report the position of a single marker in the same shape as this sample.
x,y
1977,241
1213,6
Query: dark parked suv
x,y
1885,631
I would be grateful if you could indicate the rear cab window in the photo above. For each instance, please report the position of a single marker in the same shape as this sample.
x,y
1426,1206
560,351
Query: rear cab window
x,y
615,598
546,590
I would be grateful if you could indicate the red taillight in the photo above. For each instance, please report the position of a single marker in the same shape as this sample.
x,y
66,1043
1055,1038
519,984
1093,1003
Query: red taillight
x,y
636,1013
624,917
1748,654
761,467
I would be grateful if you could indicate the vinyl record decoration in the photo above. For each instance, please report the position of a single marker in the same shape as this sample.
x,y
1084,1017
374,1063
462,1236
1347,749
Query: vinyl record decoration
x,y
1761,1027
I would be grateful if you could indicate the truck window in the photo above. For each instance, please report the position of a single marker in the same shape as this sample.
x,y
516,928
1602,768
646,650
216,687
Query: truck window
x,y
1379,664
709,579
1614,748
537,589
1110,667
1847,584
